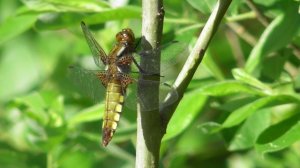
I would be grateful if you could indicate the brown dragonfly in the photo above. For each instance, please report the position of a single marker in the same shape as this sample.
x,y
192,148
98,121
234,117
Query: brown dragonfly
x,y
115,79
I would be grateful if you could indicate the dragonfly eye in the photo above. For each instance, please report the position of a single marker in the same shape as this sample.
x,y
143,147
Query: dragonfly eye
x,y
125,36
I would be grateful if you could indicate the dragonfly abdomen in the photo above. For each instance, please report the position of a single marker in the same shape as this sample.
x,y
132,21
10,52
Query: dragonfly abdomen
x,y
113,108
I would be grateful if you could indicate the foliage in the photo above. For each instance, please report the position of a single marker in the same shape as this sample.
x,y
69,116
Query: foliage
x,y
240,108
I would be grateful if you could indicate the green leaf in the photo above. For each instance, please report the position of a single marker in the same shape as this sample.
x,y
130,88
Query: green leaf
x,y
127,12
227,88
45,138
125,133
116,151
210,127
75,158
63,20
15,25
34,106
234,7
242,113
186,112
56,6
246,136
93,113
243,76
212,66
276,36
18,60
269,73
279,136
266,2
205,6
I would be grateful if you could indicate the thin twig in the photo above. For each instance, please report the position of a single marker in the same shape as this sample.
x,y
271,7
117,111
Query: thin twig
x,y
243,33
260,16
195,57
235,47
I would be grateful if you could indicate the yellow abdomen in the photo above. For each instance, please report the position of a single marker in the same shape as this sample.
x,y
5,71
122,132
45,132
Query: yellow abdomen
x,y
113,108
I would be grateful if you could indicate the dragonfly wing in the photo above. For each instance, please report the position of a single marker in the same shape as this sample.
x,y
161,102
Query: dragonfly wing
x,y
98,53
89,82
146,100
173,56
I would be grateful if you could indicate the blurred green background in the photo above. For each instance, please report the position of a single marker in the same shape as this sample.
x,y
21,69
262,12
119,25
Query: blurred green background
x,y
240,110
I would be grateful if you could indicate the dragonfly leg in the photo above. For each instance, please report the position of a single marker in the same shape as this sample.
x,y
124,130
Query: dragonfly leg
x,y
125,80
125,60
103,78
143,71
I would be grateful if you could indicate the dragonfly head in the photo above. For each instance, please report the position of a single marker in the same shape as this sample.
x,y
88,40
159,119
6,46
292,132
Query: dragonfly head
x,y
125,36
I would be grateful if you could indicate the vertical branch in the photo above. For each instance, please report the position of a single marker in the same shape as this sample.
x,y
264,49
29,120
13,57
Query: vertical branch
x,y
149,122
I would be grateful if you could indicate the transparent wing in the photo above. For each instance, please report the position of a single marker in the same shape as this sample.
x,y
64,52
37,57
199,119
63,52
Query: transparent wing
x,y
91,86
88,83
173,56
96,49
146,98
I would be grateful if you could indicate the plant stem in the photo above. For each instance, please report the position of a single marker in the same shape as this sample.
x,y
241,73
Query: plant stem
x,y
149,122
243,33
195,58
260,16
49,160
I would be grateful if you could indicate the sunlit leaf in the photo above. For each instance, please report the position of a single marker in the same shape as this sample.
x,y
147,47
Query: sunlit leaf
x,y
279,136
63,20
186,112
34,106
227,88
239,115
247,134
266,2
39,6
93,113
212,66
243,76
210,127
15,25
283,27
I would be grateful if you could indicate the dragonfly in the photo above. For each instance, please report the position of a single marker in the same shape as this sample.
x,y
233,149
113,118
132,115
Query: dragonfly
x,y
115,78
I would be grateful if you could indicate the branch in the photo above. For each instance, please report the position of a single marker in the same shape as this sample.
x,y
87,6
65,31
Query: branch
x,y
149,122
195,58
260,16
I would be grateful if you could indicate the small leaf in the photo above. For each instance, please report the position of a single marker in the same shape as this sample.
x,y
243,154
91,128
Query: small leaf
x,y
116,151
242,113
34,106
246,135
284,27
56,6
227,88
127,12
63,20
186,112
93,113
279,136
241,75
266,2
269,72
210,127
15,25
212,66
